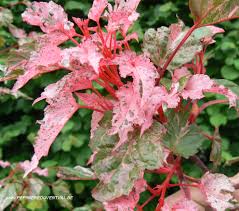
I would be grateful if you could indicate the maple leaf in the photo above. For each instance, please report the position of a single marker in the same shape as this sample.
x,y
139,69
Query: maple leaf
x,y
95,102
74,81
86,53
127,112
122,16
57,113
181,205
127,202
96,118
141,69
196,85
220,89
54,38
46,59
218,190
212,12
180,73
161,43
97,9
49,16
119,170
25,165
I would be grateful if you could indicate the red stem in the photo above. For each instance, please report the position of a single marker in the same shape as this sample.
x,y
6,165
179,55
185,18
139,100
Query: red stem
x,y
166,183
190,31
213,102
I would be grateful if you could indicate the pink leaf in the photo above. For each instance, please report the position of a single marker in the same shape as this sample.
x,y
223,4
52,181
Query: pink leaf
x,y
127,113
195,86
179,73
220,89
96,118
54,38
74,81
122,16
49,16
181,205
56,116
95,102
86,53
127,202
97,9
141,69
43,61
4,164
41,172
218,190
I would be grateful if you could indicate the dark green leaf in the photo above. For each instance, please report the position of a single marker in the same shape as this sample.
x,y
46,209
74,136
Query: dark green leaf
x,y
181,138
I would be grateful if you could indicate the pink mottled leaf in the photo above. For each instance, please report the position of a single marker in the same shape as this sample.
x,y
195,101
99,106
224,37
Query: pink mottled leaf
x,y
218,190
49,16
74,81
196,85
141,69
43,61
95,102
127,112
127,202
219,88
181,205
96,118
97,9
54,38
56,116
179,73
86,53
122,16
25,165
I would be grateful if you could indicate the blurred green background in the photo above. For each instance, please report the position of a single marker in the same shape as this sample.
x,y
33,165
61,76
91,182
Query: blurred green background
x,y
18,117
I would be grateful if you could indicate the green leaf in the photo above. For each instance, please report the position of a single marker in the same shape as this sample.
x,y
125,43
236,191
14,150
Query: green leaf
x,y
7,195
229,73
119,170
61,189
181,138
214,11
218,119
76,173
160,44
236,64
78,5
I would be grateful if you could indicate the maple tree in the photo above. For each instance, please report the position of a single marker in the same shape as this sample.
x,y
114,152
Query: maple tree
x,y
145,120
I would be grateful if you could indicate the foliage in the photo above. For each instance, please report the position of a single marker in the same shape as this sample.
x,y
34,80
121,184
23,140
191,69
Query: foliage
x,y
129,151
